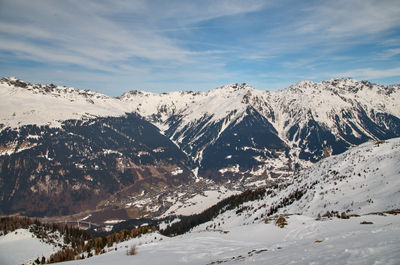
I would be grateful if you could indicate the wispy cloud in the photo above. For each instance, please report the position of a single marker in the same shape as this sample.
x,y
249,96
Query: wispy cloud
x,y
191,42
350,18
389,53
370,73
92,31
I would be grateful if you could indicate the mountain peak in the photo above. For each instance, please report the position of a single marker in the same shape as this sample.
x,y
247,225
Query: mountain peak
x,y
334,84
51,89
235,87
14,81
346,84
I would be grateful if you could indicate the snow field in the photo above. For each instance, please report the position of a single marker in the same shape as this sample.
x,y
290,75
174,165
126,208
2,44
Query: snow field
x,y
199,202
303,241
21,246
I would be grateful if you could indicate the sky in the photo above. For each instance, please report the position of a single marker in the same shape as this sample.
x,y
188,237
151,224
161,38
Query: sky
x,y
162,46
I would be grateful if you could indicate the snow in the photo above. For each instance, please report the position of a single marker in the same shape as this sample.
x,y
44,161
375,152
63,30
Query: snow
x,y
219,108
139,203
164,224
85,218
342,242
199,202
113,221
22,106
234,168
108,228
323,100
361,180
108,151
228,103
177,171
21,246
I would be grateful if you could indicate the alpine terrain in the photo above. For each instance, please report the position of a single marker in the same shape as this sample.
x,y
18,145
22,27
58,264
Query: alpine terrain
x,y
81,154
343,209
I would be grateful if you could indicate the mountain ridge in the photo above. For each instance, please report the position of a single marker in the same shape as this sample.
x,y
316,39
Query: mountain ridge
x,y
235,135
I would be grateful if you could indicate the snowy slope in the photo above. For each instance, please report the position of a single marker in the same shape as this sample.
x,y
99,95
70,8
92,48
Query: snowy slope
x,y
365,179
193,120
235,134
21,246
303,241
199,202
324,100
341,105
313,119
46,104
310,117
362,180
24,103
218,103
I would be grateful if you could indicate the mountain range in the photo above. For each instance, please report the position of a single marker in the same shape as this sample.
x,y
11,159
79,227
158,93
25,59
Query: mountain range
x,y
65,151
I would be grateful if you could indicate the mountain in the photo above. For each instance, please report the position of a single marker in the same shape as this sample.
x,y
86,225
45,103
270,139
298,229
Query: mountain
x,y
143,153
343,209
303,123
73,168
360,181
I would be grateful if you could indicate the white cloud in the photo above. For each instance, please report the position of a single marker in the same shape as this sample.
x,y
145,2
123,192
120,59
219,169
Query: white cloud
x,y
325,29
389,53
155,41
370,73
351,18
100,35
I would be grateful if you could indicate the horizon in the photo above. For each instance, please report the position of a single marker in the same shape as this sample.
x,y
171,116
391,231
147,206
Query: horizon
x,y
160,47
204,90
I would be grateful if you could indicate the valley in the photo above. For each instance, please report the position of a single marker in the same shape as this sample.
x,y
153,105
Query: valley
x,y
343,209
76,153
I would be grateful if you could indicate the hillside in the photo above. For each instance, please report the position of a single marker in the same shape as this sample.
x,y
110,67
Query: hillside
x,y
147,155
363,180
302,241
251,234
330,214
22,246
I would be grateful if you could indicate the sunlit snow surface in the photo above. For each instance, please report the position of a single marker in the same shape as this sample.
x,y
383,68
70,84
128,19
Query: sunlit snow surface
x,y
20,246
199,202
343,242
289,106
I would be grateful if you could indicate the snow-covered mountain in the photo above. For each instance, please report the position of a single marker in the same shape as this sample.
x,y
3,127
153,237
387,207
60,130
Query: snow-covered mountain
x,y
57,140
308,121
24,103
342,210
362,180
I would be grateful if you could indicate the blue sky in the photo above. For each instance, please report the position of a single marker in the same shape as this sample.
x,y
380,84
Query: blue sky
x,y
161,46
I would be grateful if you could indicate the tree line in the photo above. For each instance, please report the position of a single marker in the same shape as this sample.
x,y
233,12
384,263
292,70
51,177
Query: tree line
x,y
77,243
188,222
